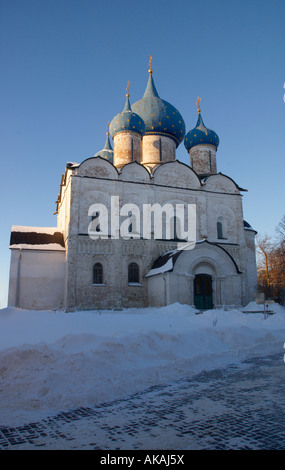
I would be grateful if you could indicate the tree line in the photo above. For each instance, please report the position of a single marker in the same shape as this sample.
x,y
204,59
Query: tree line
x,y
271,263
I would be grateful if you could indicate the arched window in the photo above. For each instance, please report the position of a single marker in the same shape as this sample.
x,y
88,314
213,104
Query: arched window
x,y
98,273
219,230
133,273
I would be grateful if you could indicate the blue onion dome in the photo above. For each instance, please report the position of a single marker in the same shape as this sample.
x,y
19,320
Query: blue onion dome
x,y
107,152
200,134
127,120
160,117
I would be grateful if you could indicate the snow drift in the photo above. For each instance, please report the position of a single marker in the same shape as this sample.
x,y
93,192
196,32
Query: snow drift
x,y
53,361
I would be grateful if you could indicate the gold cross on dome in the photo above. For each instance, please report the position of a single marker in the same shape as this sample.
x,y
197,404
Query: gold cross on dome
x,y
128,86
198,103
150,61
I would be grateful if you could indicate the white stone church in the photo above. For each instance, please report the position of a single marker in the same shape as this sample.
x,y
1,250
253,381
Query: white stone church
x,y
66,268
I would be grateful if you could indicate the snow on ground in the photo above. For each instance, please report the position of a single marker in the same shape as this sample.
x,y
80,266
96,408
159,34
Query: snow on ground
x,y
54,361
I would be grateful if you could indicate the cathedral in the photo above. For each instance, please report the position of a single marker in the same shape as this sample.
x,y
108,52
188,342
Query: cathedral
x,y
85,263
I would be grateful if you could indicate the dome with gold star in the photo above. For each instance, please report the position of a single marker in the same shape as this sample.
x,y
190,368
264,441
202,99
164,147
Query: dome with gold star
x,y
201,134
159,116
127,120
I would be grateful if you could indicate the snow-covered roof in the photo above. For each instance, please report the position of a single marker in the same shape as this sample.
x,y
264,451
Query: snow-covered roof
x,y
36,238
72,165
247,226
164,263
29,229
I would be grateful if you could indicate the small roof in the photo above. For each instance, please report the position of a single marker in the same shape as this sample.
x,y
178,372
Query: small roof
x,y
247,226
36,238
166,262
107,152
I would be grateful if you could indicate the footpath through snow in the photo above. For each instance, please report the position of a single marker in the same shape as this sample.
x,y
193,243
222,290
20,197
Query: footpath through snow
x,y
54,361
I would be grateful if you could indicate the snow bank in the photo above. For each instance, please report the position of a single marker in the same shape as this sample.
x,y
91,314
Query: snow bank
x,y
51,361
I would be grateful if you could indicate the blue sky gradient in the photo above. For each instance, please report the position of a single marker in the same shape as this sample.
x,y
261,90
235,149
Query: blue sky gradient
x,y
65,65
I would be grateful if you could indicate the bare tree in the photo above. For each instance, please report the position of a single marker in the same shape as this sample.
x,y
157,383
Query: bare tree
x,y
271,266
264,246
280,230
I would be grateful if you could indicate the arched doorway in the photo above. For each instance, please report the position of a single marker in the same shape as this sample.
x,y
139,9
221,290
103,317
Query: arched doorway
x,y
203,293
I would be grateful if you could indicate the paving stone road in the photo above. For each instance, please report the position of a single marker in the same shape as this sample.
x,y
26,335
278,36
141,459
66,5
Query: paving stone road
x,y
238,407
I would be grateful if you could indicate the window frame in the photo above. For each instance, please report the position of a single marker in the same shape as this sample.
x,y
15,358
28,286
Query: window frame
x,y
220,231
133,276
100,274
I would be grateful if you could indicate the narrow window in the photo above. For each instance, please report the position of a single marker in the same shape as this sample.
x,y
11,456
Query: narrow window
x,y
133,273
160,150
132,149
210,160
220,230
98,273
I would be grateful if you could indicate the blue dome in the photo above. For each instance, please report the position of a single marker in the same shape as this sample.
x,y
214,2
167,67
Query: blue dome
x,y
107,152
127,120
200,135
159,116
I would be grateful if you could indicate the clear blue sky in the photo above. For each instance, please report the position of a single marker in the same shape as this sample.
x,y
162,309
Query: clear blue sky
x,y
65,65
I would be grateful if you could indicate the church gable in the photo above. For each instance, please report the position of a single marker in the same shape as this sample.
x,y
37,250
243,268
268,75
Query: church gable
x,y
221,183
97,167
176,174
135,172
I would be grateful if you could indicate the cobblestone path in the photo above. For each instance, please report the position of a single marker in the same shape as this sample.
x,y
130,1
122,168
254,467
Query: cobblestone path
x,y
241,406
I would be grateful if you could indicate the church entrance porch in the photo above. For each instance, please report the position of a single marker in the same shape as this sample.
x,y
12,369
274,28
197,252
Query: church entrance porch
x,y
206,277
203,292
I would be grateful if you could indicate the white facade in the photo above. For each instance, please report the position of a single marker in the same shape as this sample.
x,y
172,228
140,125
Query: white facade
x,y
97,274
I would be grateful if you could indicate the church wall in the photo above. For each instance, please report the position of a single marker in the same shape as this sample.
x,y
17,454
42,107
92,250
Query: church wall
x,y
37,279
157,291
231,291
115,255
224,209
63,214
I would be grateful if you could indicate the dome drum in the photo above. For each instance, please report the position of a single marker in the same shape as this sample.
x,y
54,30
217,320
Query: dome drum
x,y
157,149
127,148
203,159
